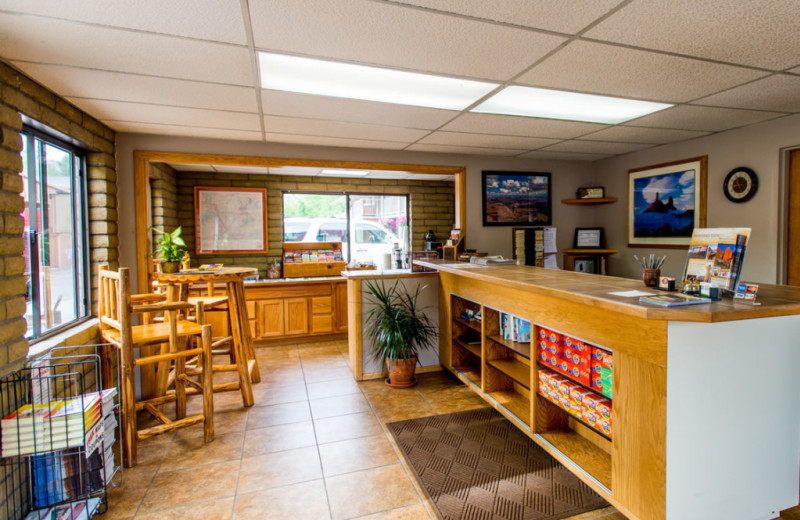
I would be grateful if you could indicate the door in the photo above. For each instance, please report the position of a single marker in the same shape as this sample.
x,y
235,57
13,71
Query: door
x,y
270,319
295,316
793,218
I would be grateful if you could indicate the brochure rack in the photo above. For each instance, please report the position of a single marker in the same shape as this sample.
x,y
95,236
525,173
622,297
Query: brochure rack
x,y
57,437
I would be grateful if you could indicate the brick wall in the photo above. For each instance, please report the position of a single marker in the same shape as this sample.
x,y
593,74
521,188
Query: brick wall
x,y
19,95
431,206
163,196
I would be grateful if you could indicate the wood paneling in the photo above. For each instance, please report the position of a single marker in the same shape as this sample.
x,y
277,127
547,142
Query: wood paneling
x,y
793,224
340,307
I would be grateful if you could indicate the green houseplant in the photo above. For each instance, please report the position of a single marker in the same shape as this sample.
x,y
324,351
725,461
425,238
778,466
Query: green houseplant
x,y
399,329
171,249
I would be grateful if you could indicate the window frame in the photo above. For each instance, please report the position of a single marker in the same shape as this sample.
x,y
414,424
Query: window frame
x,y
79,202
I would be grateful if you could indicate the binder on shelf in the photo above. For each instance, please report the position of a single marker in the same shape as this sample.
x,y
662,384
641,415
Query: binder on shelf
x,y
535,246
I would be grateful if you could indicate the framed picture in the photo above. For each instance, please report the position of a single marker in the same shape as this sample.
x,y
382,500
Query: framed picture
x,y
514,198
666,202
591,193
230,220
588,238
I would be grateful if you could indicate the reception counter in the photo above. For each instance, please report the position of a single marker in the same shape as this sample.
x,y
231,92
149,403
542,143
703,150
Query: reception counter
x,y
705,408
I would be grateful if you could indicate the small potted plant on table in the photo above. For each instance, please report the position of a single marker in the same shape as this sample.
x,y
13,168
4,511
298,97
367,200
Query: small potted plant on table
x,y
170,250
399,330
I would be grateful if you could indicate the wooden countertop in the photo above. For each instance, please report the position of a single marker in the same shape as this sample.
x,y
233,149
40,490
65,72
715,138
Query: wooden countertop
x,y
593,290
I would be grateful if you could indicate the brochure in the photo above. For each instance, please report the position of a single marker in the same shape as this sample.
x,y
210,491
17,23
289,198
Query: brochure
x,y
716,256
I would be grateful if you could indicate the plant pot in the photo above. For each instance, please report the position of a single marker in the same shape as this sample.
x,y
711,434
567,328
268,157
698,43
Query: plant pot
x,y
170,267
401,372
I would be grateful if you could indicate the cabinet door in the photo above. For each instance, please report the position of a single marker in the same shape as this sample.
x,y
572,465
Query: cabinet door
x,y
270,319
295,317
321,314
340,307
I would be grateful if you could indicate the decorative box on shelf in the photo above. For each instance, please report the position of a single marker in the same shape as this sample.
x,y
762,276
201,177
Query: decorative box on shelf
x,y
309,259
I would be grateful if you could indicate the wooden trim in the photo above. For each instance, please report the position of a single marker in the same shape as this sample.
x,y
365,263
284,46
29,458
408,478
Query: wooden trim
x,y
141,179
793,220
354,329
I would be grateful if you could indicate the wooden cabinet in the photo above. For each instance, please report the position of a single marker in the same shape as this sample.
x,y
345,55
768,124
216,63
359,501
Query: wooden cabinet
x,y
340,307
297,309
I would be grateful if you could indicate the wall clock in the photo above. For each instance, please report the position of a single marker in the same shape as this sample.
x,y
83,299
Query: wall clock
x,y
740,184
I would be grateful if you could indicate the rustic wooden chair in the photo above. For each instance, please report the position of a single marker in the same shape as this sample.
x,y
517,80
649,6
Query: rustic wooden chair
x,y
115,311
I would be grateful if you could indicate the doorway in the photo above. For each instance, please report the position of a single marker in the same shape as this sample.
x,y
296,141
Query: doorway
x,y
793,220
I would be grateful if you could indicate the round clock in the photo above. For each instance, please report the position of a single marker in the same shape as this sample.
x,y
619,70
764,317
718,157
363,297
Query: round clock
x,y
740,184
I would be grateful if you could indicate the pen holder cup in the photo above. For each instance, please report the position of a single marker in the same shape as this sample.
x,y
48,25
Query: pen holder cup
x,y
650,277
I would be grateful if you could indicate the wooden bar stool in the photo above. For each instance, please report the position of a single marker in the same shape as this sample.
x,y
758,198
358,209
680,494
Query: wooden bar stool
x,y
115,311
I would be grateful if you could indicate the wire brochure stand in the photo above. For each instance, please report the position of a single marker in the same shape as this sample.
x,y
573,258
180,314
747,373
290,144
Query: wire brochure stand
x,y
58,432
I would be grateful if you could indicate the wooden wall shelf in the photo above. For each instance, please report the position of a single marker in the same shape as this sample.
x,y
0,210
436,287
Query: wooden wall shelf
x,y
590,202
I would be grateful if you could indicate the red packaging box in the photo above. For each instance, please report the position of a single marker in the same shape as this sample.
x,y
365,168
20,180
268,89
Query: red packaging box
x,y
576,357
590,402
565,387
596,381
604,426
555,384
577,372
576,396
602,358
603,409
588,416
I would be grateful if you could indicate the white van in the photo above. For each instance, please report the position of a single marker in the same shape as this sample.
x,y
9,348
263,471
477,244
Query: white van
x,y
371,241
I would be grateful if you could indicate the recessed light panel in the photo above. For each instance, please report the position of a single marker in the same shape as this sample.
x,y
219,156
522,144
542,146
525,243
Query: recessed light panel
x,y
346,80
344,173
555,104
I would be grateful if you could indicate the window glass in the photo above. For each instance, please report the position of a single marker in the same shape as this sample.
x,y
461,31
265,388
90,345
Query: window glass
x,y
54,231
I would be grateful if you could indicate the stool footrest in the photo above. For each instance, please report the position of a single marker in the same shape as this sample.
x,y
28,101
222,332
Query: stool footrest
x,y
164,428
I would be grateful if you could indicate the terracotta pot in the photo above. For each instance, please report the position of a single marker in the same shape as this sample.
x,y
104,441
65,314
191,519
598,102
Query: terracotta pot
x,y
170,267
401,372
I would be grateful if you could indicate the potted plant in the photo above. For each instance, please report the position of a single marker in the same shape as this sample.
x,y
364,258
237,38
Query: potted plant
x,y
170,249
399,330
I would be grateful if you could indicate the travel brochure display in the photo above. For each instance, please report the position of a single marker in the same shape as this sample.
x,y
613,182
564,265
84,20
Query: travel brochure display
x,y
716,256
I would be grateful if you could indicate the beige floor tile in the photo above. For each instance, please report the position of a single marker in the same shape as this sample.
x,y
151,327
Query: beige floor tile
x,y
190,451
287,377
124,501
344,386
265,396
214,510
344,427
370,491
318,375
262,416
225,421
356,454
415,512
188,486
401,413
338,405
279,469
279,438
277,353
306,500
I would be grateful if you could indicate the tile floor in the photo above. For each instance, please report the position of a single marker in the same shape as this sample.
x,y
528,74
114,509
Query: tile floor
x,y
313,447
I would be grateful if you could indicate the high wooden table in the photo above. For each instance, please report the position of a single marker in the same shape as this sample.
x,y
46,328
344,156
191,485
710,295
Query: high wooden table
x,y
233,277
706,402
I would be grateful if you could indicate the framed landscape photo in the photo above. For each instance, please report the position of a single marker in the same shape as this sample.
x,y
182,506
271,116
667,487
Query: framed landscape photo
x,y
514,198
230,220
666,202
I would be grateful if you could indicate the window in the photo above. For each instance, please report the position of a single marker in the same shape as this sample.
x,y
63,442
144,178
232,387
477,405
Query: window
x,y
55,232
367,225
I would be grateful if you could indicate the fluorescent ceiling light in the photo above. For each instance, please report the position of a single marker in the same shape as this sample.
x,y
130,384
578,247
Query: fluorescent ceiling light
x,y
345,80
340,173
555,104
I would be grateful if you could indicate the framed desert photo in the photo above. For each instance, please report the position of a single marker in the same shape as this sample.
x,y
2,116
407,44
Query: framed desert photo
x,y
514,198
230,220
666,202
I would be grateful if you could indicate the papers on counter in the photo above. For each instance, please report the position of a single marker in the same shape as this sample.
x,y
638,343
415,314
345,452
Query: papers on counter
x,y
631,294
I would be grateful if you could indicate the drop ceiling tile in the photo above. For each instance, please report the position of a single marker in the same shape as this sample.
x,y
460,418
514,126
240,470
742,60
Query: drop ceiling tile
x,y
469,150
760,33
94,47
564,156
294,170
166,115
486,140
293,125
567,16
596,147
183,131
217,20
795,70
191,167
242,169
599,68
521,126
315,140
118,86
780,92
629,134
278,103
710,119
381,33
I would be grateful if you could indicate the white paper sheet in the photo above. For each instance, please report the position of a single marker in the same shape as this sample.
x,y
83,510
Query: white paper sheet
x,y
550,262
631,294
550,240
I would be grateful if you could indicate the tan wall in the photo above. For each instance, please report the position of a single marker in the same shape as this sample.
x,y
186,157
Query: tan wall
x,y
431,206
19,95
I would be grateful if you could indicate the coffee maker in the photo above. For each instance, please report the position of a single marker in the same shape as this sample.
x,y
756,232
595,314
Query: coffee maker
x,y
431,244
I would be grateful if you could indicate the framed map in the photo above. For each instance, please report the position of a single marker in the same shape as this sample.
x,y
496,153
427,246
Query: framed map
x,y
230,220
